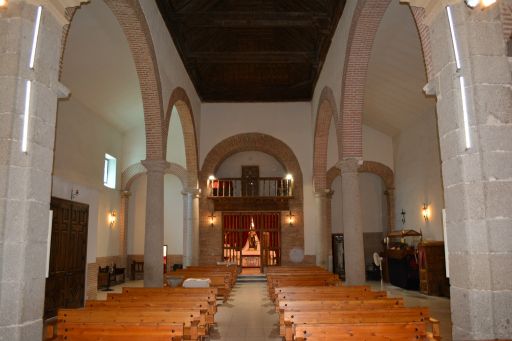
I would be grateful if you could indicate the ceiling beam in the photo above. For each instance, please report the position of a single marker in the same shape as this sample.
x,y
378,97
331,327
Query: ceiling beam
x,y
259,57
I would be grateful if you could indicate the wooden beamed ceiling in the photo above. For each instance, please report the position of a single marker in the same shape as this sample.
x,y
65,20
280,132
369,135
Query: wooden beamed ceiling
x,y
252,50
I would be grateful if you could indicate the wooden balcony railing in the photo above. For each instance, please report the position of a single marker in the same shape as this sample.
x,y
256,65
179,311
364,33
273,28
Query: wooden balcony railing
x,y
260,187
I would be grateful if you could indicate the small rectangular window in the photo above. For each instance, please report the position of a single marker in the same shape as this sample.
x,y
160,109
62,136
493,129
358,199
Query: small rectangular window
x,y
109,171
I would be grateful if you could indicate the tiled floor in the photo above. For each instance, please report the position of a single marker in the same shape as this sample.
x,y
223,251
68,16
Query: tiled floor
x,y
249,315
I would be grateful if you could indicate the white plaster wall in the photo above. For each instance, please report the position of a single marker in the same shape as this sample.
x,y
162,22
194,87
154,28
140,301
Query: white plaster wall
x,y
332,70
78,164
268,165
418,176
136,217
176,141
171,68
372,196
134,146
372,200
377,146
289,122
173,215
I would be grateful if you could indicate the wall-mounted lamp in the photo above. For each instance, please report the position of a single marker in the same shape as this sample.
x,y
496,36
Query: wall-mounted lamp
x,y
211,218
74,193
112,218
290,217
482,3
426,212
3,4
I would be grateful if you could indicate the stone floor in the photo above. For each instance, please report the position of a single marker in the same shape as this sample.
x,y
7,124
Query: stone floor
x,y
249,315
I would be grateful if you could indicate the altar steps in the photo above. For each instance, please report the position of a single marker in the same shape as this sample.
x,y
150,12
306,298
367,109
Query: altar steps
x,y
258,278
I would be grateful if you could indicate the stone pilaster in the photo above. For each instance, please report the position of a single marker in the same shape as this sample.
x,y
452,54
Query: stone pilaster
x,y
25,177
323,228
352,222
154,233
190,227
390,200
123,219
477,180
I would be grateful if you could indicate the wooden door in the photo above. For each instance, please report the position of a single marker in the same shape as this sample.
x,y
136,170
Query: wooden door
x,y
65,285
250,176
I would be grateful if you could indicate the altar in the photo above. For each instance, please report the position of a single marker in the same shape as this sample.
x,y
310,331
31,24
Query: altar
x,y
251,252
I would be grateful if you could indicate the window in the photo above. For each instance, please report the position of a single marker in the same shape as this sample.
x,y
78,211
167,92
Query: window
x,y
109,171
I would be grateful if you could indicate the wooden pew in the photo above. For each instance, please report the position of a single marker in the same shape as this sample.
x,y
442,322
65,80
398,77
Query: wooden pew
x,y
303,281
364,331
206,319
221,281
361,289
349,305
292,318
113,331
189,319
164,297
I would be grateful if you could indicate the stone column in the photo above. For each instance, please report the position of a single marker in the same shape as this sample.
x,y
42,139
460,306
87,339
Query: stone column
x,y
322,228
352,222
25,177
123,219
190,227
154,233
477,180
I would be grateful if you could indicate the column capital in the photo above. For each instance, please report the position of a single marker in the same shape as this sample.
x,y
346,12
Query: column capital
x,y
125,194
324,193
56,7
158,166
349,165
191,191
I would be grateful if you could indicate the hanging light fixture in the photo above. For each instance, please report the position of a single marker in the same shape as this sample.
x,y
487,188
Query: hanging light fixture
x,y
3,4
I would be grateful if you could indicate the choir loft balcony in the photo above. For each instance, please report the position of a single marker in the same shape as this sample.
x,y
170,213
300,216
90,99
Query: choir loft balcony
x,y
251,194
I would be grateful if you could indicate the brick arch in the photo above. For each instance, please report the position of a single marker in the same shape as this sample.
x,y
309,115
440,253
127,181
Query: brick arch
x,y
180,99
325,112
382,171
133,22
292,236
365,23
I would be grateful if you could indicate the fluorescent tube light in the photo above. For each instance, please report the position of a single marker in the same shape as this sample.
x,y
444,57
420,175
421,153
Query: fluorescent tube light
x,y
465,111
36,36
454,38
24,141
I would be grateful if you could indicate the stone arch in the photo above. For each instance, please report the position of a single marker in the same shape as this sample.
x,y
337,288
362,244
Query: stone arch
x,y
134,171
133,22
180,99
326,110
292,236
365,23
385,173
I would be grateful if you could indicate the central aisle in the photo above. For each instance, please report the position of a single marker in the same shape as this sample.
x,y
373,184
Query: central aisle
x,y
247,316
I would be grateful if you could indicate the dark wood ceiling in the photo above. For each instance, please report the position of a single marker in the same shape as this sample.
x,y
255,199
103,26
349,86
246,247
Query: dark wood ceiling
x,y
252,50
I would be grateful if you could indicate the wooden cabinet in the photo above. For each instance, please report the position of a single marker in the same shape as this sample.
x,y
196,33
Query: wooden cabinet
x,y
433,279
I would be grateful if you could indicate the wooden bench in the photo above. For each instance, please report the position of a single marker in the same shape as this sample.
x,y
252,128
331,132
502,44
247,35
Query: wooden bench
x,y
349,305
292,318
322,289
221,281
309,281
113,331
364,331
166,297
189,319
206,320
